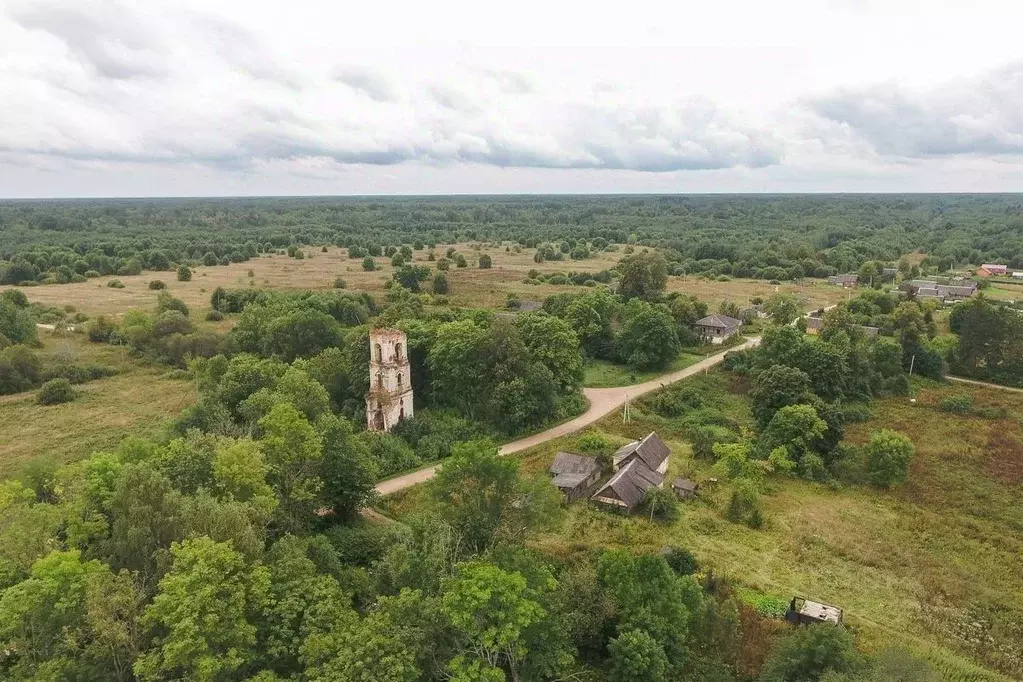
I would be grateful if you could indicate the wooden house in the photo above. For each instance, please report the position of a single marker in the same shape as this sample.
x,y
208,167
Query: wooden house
x,y
651,451
717,328
574,474
627,489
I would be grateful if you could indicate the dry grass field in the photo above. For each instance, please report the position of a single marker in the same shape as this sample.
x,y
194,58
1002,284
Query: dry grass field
x,y
470,286
935,566
136,401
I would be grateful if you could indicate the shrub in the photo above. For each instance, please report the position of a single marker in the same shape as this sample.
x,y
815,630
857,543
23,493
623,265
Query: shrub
x,y
115,284
809,653
100,329
184,273
56,391
681,560
744,505
594,444
440,284
512,302
486,262
91,274
960,403
19,369
156,285
368,264
165,302
888,456
214,316
340,283
856,413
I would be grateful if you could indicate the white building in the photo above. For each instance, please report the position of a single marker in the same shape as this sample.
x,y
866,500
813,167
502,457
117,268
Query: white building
x,y
389,399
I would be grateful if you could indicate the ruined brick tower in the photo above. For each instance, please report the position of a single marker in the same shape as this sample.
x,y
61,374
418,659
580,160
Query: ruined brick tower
x,y
389,399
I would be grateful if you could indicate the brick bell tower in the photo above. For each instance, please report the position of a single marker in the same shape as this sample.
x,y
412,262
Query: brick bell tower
x,y
389,399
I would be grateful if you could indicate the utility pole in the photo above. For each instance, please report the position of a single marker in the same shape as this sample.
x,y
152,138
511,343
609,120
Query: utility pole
x,y
912,361
625,412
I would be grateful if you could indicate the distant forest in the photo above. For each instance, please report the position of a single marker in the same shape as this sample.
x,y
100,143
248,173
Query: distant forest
x,y
767,236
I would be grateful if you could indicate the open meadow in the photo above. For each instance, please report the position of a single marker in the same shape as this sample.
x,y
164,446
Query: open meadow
x,y
936,565
469,286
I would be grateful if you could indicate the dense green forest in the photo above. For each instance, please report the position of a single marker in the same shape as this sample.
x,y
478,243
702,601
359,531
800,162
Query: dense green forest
x,y
771,237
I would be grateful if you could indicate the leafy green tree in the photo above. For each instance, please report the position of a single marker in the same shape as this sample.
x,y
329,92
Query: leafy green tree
x,y
16,323
783,308
202,615
240,473
591,317
184,273
486,262
662,504
643,275
795,428
889,454
411,276
348,471
440,284
301,334
294,452
648,338
807,654
492,610
775,388
552,342
637,657
368,264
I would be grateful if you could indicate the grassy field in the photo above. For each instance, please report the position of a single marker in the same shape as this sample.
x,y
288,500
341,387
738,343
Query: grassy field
x,y
470,286
936,566
604,374
136,401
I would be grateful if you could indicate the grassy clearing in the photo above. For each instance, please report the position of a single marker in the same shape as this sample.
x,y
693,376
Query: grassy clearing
x,y
470,286
605,374
935,566
134,402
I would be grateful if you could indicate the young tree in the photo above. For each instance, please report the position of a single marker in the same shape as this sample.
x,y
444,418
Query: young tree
x,y
552,342
486,262
184,273
410,276
202,614
368,264
643,275
889,454
440,283
795,428
294,452
348,472
806,654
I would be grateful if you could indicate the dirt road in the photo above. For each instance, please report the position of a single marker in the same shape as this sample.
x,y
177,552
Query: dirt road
x,y
602,401
984,383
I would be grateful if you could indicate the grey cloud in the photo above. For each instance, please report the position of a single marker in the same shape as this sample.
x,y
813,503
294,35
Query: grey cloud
x,y
101,36
982,116
374,85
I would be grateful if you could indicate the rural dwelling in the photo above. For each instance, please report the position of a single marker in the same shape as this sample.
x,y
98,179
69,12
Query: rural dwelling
x,y
684,488
805,612
844,281
627,488
716,328
889,273
574,474
992,269
651,451
1018,274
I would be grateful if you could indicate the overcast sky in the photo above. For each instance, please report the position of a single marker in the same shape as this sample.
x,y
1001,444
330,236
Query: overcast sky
x,y
218,97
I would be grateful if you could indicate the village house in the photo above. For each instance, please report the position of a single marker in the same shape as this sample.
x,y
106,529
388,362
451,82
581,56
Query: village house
x,y
992,269
889,273
684,488
717,328
627,489
844,281
574,474
651,451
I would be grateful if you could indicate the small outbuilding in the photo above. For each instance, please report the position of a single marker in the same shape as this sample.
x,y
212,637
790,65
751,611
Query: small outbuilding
x,y
651,451
627,489
574,474
717,328
684,488
805,612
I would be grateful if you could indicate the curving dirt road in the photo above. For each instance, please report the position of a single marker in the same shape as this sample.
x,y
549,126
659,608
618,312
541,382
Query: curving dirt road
x,y
602,401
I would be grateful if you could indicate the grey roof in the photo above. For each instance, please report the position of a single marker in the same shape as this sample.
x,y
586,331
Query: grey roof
x,y
842,279
569,480
568,463
927,291
631,483
718,321
814,322
889,271
684,484
954,291
651,450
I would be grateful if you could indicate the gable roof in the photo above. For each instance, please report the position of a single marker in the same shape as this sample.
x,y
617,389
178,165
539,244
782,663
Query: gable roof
x,y
651,450
631,483
684,484
843,279
718,321
568,463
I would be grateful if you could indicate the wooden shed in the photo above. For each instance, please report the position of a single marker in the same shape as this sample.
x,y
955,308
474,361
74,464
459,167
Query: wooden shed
x,y
574,474
805,612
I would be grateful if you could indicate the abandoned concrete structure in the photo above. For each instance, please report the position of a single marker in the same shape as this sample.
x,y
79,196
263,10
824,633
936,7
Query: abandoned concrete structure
x,y
389,399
